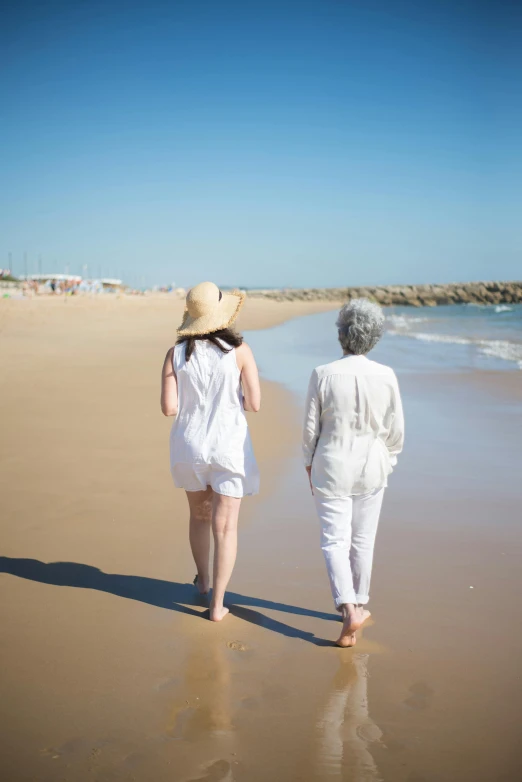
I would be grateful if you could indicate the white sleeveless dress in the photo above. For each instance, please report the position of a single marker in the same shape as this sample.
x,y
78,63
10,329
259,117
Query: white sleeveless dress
x,y
209,441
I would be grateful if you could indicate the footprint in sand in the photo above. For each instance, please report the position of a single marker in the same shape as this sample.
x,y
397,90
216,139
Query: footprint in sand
x,y
237,646
219,771
50,752
421,696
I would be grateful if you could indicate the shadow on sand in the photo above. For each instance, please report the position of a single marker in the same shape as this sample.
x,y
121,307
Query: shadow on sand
x,y
171,595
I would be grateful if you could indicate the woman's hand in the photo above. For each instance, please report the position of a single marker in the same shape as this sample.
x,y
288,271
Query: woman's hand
x,y
309,473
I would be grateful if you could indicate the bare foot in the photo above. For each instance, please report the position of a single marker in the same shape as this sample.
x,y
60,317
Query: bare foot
x,y
346,639
202,586
217,614
353,618
364,614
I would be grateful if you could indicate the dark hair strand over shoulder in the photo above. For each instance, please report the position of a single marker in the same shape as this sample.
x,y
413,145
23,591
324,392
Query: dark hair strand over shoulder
x,y
221,339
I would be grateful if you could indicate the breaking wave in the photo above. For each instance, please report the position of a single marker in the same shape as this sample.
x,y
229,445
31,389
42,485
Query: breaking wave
x,y
495,348
403,321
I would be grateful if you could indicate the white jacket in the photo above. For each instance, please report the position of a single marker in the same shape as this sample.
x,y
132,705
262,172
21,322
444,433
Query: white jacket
x,y
354,426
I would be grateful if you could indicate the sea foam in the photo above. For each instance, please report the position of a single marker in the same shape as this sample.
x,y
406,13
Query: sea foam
x,y
495,348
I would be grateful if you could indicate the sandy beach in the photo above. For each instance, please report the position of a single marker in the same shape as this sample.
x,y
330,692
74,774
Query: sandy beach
x,y
110,669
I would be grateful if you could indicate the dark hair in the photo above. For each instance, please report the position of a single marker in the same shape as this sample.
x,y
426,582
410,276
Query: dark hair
x,y
229,336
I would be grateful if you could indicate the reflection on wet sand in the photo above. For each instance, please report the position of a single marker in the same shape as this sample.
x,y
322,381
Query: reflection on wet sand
x,y
201,717
344,728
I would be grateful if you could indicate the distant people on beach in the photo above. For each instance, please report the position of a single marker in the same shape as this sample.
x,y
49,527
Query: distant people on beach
x,y
353,433
209,379
69,286
29,288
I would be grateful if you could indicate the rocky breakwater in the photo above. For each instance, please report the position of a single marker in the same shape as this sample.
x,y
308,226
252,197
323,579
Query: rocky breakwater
x,y
406,295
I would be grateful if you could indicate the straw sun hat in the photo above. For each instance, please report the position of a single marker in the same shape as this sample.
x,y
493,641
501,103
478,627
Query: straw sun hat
x,y
208,310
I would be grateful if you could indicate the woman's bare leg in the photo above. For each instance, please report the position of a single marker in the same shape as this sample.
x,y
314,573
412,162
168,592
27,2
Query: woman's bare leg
x,y
224,526
200,504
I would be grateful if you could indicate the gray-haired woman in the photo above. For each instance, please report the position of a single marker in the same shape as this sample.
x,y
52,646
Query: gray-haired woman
x,y
353,431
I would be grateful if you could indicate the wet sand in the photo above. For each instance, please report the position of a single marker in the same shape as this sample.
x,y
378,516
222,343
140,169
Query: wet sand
x,y
110,670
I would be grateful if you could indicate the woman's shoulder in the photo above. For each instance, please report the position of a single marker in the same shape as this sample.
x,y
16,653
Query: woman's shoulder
x,y
243,349
375,367
243,354
170,353
326,369
178,353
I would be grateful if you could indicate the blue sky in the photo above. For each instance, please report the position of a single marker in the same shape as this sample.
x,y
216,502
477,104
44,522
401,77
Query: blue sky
x,y
261,143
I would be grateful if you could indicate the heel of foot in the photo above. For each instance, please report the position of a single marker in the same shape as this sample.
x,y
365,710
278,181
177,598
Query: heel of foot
x,y
202,589
346,641
217,614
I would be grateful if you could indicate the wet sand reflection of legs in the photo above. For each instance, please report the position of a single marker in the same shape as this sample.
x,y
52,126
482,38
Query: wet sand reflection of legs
x,y
345,730
201,717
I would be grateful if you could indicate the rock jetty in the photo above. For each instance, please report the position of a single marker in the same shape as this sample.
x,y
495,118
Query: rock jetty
x,y
406,295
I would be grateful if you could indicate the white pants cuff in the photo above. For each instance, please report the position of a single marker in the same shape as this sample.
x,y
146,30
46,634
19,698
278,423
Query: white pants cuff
x,y
348,530
359,600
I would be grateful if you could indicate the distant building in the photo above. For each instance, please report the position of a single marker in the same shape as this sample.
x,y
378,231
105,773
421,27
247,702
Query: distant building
x,y
47,277
111,284
83,285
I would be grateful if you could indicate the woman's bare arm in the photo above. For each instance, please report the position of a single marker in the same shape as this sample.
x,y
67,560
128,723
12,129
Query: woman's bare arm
x,y
249,378
169,386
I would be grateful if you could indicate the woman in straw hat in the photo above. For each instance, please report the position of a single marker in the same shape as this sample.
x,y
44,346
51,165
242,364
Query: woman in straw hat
x,y
209,379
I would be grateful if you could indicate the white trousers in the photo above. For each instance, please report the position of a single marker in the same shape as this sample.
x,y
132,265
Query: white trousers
x,y
348,530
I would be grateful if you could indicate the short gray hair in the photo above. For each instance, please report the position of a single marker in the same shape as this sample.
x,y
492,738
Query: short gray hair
x,y
361,325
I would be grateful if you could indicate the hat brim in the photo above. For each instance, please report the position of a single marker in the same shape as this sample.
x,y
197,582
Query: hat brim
x,y
222,317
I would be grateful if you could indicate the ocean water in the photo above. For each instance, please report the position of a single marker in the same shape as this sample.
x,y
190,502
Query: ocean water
x,y
424,339
462,441
465,336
